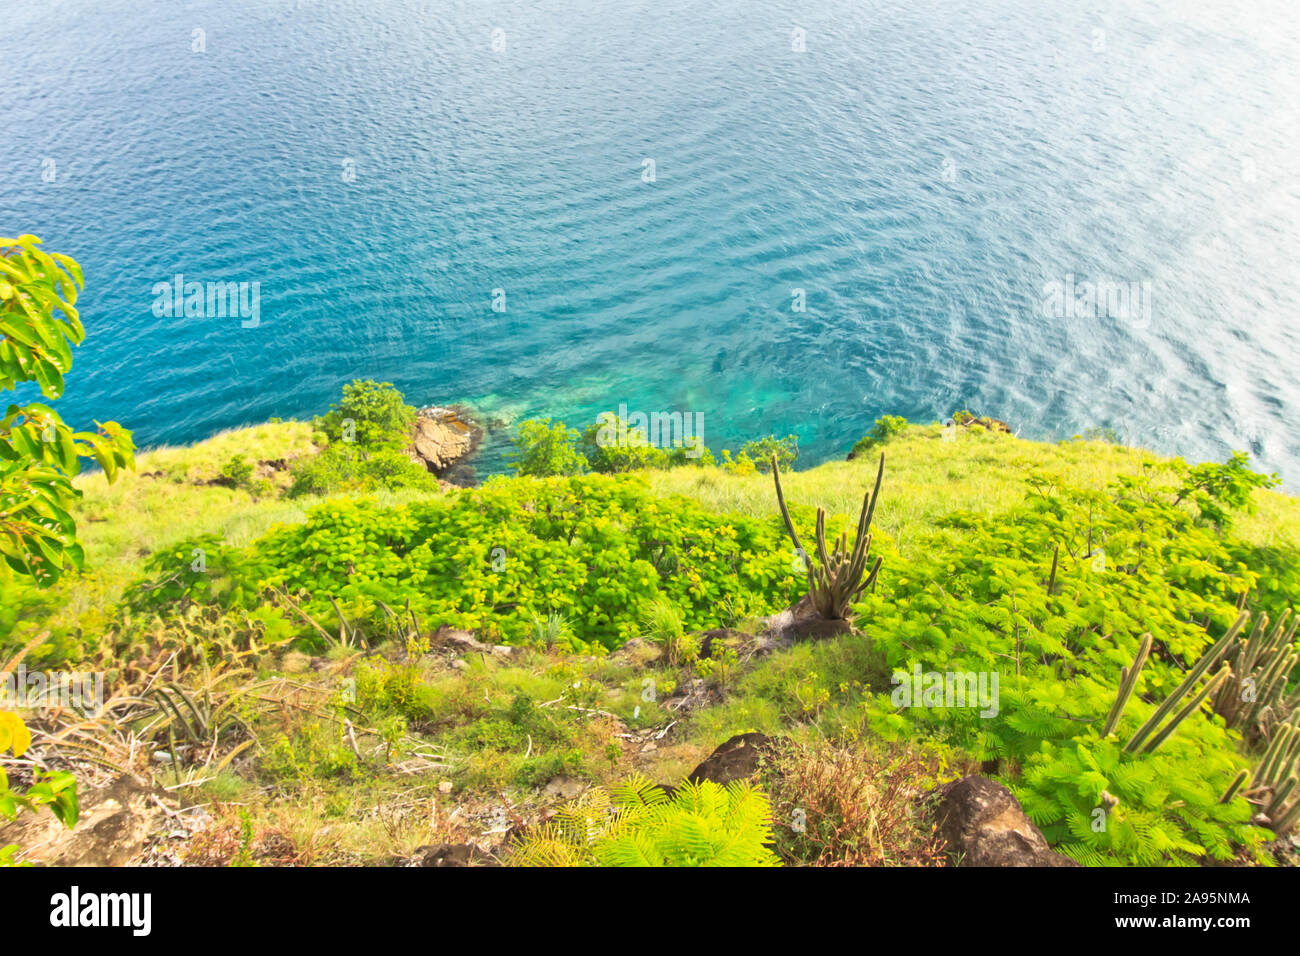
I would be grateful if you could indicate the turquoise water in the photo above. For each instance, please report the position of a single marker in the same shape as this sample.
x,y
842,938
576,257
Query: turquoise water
x,y
922,171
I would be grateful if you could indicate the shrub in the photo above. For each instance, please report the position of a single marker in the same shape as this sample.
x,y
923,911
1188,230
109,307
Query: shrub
x,y
851,805
543,449
373,415
593,548
199,570
236,472
760,452
1219,489
886,427
612,446
343,468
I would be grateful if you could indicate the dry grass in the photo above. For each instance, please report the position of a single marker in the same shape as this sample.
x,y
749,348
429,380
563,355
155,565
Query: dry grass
x,y
852,805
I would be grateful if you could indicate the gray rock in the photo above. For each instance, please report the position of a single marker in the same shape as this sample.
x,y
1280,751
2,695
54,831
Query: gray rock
x,y
983,824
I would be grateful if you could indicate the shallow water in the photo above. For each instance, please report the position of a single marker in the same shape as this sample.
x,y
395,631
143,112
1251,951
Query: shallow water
x,y
922,171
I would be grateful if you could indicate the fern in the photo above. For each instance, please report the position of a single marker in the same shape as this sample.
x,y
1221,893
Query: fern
x,y
636,823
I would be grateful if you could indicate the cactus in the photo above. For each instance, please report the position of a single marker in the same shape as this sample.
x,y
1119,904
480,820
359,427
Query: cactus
x,y
1234,786
1127,681
1279,759
1208,660
1275,780
837,579
1214,683
1256,699
1283,824
1279,797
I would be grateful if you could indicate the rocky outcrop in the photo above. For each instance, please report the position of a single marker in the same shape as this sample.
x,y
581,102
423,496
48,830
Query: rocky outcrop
x,y
983,824
464,642
444,438
737,759
967,420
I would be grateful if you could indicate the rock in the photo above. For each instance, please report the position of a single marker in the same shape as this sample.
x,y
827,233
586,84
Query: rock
x,y
737,759
982,421
802,622
466,643
637,651
114,824
462,641
452,854
983,825
564,788
443,437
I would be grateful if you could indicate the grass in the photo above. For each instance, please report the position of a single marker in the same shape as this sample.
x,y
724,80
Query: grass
x,y
168,497
927,477
172,495
509,726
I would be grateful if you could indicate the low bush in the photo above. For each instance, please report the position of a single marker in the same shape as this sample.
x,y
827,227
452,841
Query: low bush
x,y
592,548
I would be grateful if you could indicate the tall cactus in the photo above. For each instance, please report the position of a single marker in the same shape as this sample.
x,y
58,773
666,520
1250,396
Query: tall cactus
x,y
1275,780
1139,741
1233,787
1255,700
837,578
1127,681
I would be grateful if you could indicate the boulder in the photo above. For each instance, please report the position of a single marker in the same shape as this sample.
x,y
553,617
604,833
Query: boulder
x,y
443,437
114,823
452,854
564,788
737,759
983,824
461,641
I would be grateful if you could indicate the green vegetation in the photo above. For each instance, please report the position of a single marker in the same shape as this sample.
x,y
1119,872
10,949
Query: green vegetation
x,y
372,415
885,428
492,559
39,454
306,657
637,824
762,453
39,457
365,437
544,449
611,446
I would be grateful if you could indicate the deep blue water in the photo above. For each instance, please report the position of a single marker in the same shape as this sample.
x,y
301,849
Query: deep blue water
x,y
921,170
